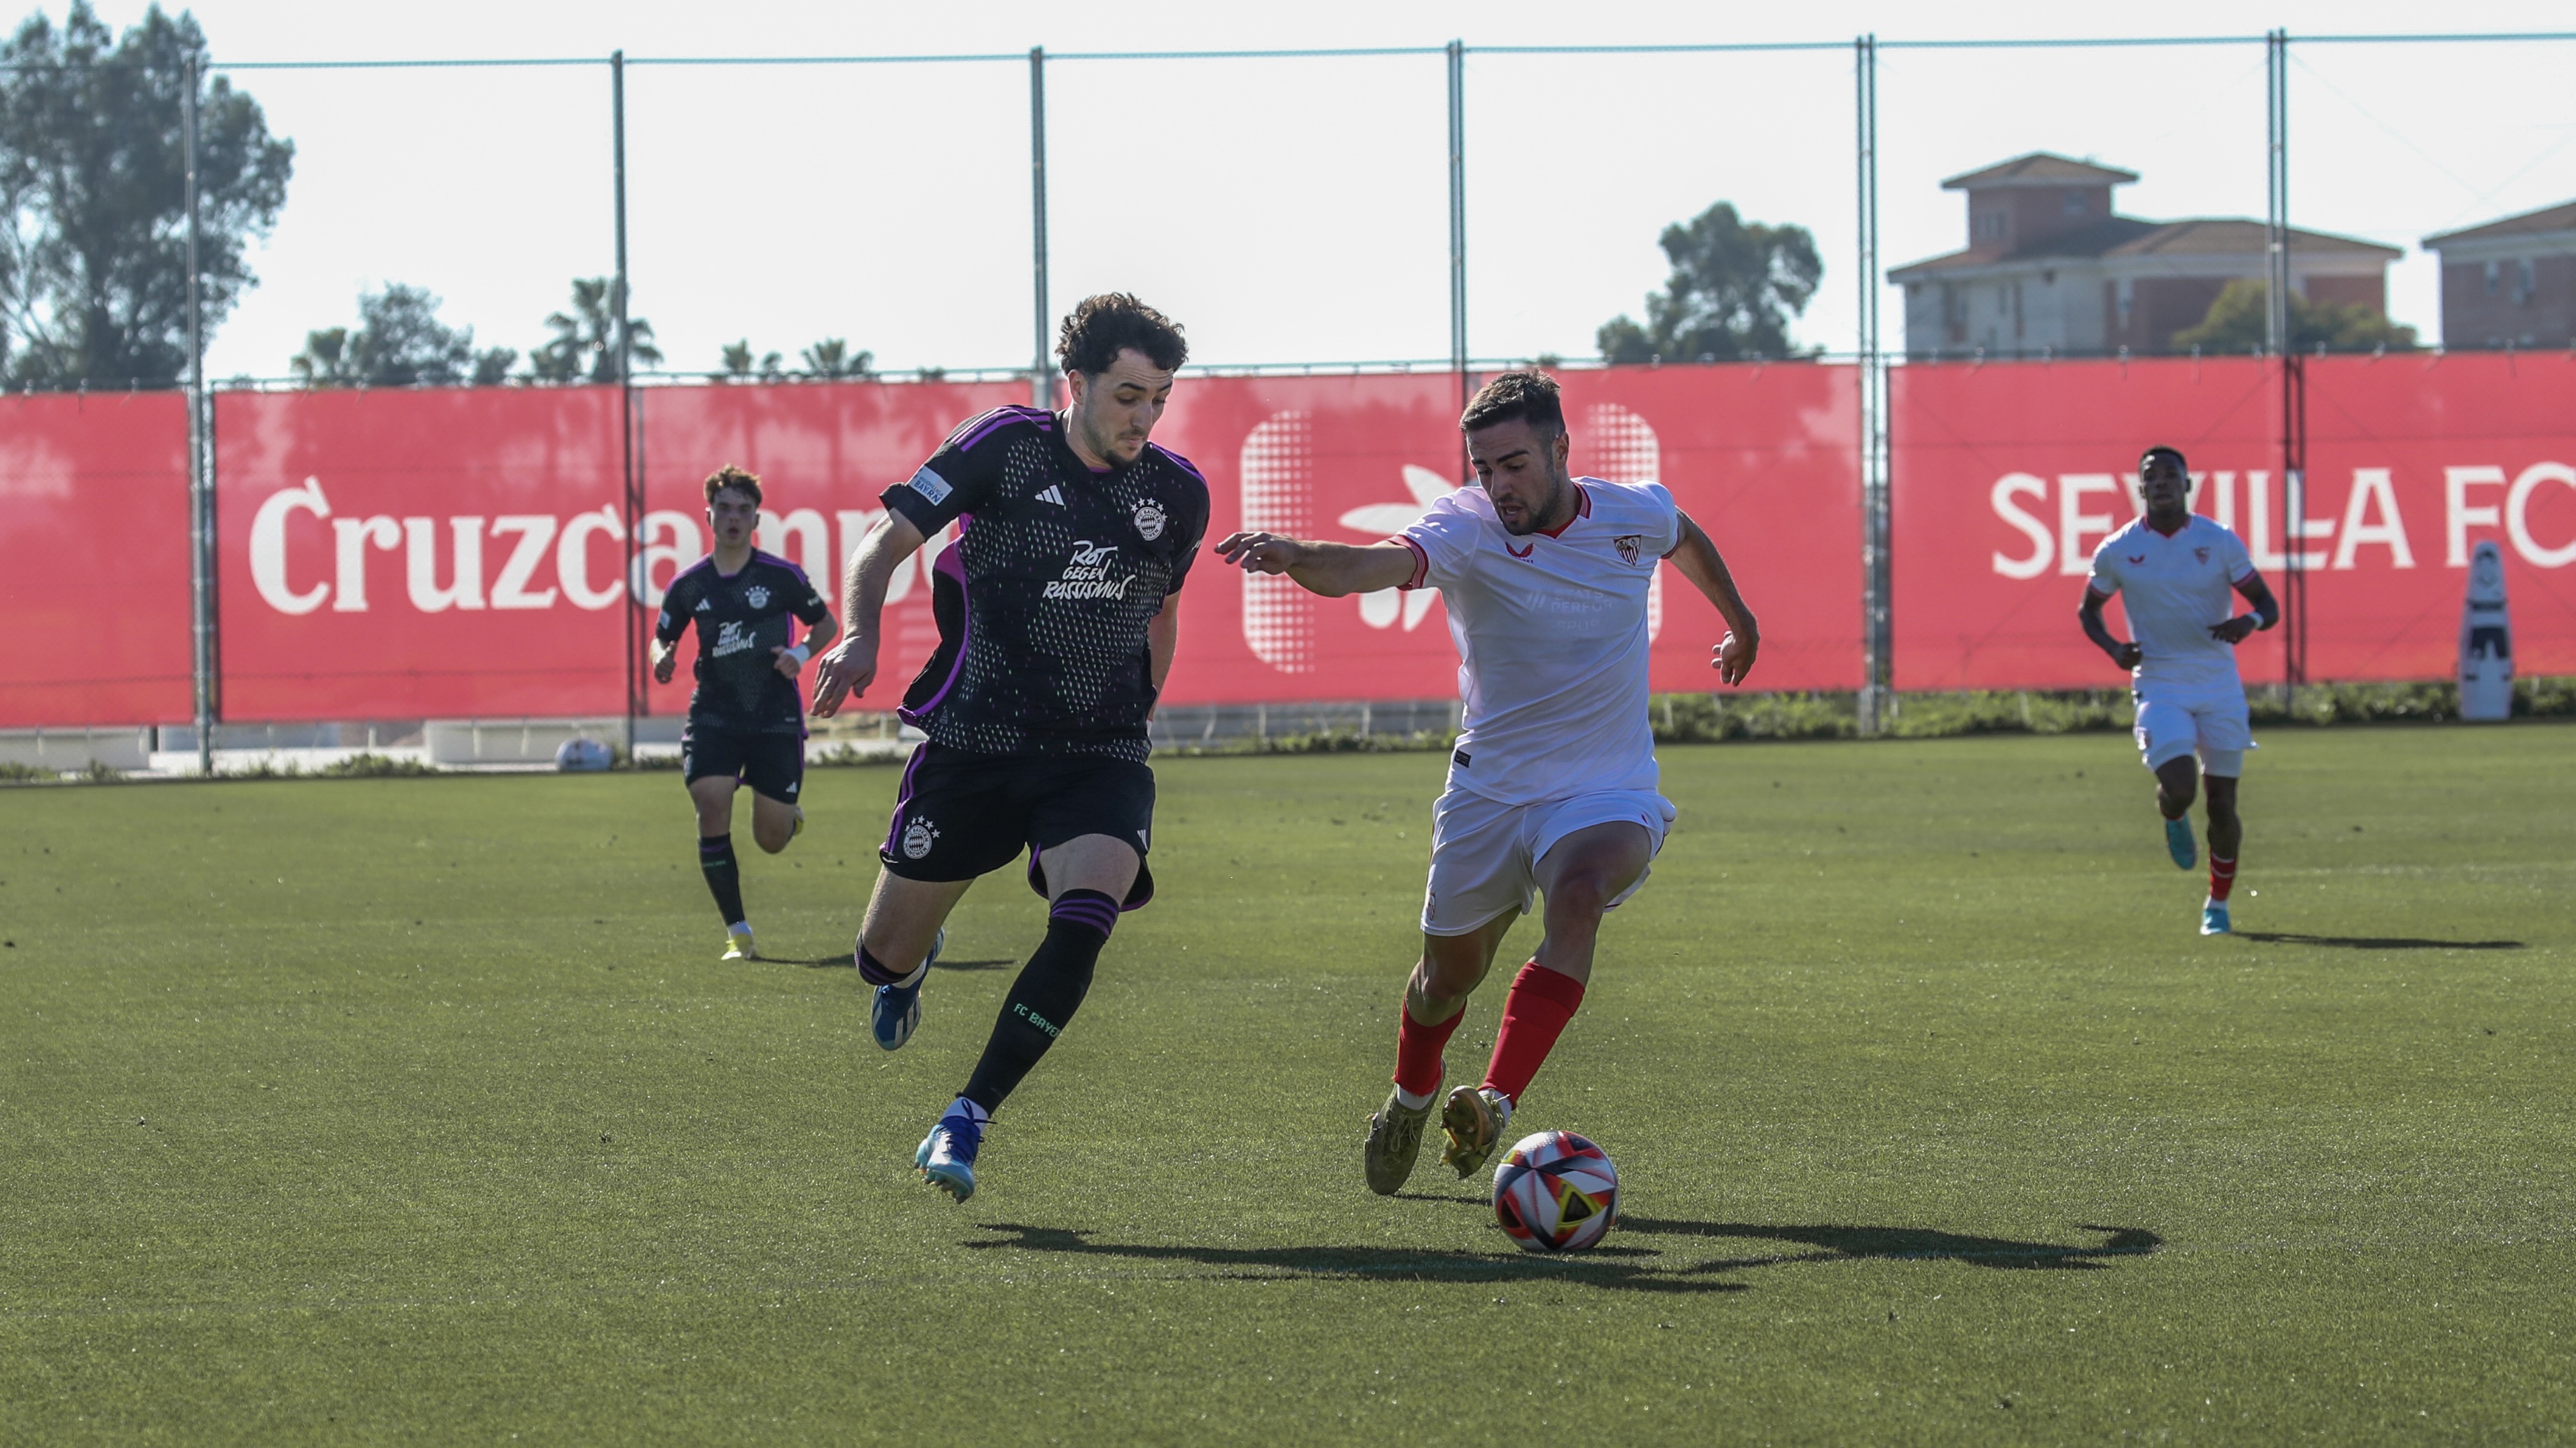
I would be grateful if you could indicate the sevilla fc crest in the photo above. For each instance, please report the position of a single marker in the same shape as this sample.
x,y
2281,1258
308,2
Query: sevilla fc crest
x,y
1628,547
2200,553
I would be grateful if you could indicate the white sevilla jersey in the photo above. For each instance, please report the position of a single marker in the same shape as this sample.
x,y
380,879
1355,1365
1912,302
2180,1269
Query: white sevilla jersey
x,y
2174,589
1552,638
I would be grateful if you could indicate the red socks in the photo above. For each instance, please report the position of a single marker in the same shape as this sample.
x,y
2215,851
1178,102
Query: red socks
x,y
1534,1014
1417,1050
2222,878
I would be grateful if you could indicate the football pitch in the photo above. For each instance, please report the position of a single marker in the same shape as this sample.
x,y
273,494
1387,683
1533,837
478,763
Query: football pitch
x,y
421,1110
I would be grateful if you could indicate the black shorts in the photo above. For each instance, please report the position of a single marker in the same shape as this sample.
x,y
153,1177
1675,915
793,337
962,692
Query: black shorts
x,y
961,814
772,764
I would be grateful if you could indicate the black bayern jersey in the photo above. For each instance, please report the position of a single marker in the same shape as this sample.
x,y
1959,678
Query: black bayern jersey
x,y
1044,598
740,619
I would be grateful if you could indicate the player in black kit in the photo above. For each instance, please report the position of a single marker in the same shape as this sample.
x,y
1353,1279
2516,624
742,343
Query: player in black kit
x,y
746,723
1059,611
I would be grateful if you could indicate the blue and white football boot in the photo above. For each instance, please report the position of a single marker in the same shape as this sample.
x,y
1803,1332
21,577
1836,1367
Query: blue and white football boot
x,y
896,1012
2178,843
2213,918
947,1156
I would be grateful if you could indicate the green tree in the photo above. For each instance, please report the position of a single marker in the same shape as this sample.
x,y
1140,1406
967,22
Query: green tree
x,y
1732,292
832,359
584,345
399,341
741,366
93,167
2239,321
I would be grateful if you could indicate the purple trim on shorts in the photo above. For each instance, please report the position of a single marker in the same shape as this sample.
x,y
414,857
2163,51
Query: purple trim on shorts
x,y
947,563
903,798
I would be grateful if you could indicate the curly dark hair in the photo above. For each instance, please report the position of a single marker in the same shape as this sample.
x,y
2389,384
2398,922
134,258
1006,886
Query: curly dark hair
x,y
1529,397
735,478
1101,327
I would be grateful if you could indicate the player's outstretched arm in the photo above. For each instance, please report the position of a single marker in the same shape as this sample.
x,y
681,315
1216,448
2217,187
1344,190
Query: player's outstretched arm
x,y
1696,558
2126,655
1329,569
850,667
2267,611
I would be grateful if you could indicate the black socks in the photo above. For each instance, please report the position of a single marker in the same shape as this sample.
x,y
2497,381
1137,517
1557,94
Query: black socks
x,y
724,877
1042,1001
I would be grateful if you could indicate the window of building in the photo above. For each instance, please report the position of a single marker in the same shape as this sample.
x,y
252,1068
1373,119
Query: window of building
x,y
2524,285
2495,274
2074,203
1990,225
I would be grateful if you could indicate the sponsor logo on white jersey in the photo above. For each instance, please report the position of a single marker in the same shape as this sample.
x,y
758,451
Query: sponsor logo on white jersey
x,y
1150,520
918,838
1086,574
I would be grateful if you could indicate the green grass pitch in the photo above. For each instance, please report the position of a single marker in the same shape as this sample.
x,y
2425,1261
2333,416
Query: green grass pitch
x,y
421,1110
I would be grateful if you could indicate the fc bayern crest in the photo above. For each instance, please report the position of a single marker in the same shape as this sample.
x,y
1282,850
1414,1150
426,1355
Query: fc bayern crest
x,y
756,596
917,838
1150,520
1628,548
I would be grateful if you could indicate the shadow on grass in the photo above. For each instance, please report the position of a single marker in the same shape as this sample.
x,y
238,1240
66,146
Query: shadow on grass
x,y
2373,942
847,962
1910,1244
1599,1267
1631,1268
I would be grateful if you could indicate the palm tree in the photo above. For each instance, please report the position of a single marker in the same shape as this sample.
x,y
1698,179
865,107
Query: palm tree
x,y
739,365
584,347
832,360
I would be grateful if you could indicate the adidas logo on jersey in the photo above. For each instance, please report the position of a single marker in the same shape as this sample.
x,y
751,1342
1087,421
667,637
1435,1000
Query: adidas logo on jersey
x,y
1051,494
704,607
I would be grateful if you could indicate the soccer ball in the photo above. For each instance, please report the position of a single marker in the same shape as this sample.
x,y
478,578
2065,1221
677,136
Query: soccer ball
x,y
1556,1192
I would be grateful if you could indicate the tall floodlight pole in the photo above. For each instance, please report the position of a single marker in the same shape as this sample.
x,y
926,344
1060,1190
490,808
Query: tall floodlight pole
x,y
201,490
1877,665
1458,228
1041,379
2277,331
632,484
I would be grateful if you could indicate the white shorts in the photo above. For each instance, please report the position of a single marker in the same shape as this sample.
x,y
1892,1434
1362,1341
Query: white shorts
x,y
2208,721
1485,854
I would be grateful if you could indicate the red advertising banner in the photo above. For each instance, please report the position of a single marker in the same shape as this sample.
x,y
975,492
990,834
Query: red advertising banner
x,y
823,451
1763,457
401,554
2007,476
449,554
94,560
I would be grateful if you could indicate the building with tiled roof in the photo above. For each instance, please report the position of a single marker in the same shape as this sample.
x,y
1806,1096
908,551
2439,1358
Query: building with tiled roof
x,y
2510,283
2050,269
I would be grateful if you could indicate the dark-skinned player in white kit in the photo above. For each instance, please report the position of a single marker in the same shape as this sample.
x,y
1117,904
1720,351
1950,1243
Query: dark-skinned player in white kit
x,y
2173,570
1059,609
1552,788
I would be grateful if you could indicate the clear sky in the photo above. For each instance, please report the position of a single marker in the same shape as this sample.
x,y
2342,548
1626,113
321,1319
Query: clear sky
x,y
1290,210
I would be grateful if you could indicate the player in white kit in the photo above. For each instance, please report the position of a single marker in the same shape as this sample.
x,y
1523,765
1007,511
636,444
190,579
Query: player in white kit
x,y
1552,788
2173,569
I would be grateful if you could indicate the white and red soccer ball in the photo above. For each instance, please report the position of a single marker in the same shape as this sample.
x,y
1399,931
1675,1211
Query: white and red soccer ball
x,y
1556,1192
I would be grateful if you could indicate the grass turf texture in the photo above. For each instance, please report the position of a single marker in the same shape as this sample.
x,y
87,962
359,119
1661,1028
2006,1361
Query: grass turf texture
x,y
421,1110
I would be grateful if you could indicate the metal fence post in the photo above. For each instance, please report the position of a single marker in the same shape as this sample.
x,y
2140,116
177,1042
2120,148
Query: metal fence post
x,y
1458,231
1876,699
1041,382
631,482
204,658
2284,343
